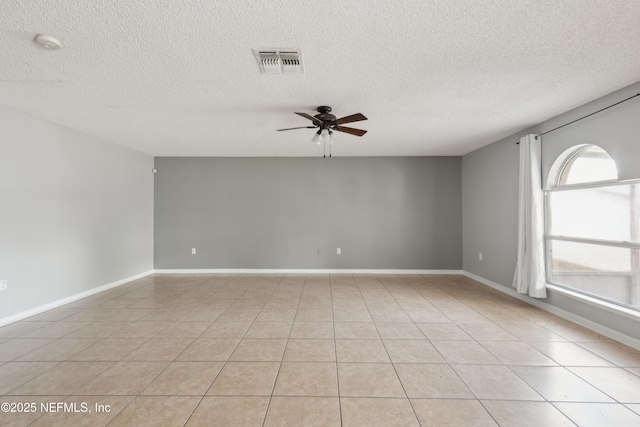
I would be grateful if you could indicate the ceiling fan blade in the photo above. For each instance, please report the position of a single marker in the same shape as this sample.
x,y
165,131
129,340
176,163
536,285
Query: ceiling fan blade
x,y
301,127
352,131
350,119
306,116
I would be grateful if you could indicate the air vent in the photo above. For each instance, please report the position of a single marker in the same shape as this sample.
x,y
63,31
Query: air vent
x,y
275,61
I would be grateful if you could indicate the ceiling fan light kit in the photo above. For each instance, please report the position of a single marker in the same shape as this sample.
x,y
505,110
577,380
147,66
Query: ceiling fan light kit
x,y
327,123
326,136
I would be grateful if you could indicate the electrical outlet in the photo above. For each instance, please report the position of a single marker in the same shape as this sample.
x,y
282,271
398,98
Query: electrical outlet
x,y
288,251
480,256
193,251
319,251
339,251
3,285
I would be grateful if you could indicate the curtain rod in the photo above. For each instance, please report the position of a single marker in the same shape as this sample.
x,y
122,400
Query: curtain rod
x,y
588,115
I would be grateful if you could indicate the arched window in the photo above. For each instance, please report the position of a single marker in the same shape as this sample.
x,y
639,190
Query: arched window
x,y
592,227
588,164
582,164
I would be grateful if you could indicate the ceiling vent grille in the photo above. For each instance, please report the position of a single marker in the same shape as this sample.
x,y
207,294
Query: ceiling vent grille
x,y
277,61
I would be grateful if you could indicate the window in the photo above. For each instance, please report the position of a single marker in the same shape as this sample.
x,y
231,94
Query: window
x,y
593,227
587,163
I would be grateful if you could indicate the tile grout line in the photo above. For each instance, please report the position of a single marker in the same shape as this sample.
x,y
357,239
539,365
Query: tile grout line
x,y
335,349
391,360
275,381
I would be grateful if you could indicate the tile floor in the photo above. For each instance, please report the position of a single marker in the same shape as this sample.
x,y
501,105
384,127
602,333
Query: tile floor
x,y
312,350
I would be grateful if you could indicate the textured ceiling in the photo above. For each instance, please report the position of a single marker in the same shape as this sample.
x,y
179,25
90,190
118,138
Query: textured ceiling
x,y
439,77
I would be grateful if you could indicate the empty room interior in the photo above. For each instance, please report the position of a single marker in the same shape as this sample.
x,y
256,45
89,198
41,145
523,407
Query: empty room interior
x,y
269,213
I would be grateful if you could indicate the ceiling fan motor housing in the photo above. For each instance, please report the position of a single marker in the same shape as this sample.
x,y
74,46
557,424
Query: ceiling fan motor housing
x,y
324,116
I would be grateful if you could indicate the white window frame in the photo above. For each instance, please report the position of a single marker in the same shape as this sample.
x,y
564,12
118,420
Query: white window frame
x,y
552,186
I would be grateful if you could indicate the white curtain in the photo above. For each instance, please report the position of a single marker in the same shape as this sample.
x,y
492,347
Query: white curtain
x,y
529,277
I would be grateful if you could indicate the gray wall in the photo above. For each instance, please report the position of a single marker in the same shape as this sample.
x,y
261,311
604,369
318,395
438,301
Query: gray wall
x,y
75,213
392,212
489,190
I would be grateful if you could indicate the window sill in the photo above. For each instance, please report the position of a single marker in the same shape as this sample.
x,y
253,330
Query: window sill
x,y
622,311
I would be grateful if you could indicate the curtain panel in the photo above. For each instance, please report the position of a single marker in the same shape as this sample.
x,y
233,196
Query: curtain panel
x,y
529,277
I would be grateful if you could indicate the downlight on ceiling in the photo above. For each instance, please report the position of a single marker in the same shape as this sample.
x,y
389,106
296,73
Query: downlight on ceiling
x,y
279,61
48,42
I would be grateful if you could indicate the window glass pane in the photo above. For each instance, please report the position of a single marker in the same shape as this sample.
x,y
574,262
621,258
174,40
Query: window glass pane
x,y
607,213
589,165
602,271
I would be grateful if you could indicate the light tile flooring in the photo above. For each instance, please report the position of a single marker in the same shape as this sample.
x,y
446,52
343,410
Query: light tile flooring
x,y
313,350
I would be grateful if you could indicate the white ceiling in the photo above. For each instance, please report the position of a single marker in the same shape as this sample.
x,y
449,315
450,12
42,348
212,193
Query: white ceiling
x,y
439,77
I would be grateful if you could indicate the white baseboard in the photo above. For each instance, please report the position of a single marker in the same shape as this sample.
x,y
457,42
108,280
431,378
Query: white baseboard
x,y
301,271
589,324
72,298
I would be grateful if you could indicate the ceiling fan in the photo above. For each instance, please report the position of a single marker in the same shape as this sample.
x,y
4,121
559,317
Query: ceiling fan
x,y
326,123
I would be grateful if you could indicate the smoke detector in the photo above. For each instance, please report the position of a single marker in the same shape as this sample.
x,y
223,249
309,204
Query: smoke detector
x,y
278,61
48,42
